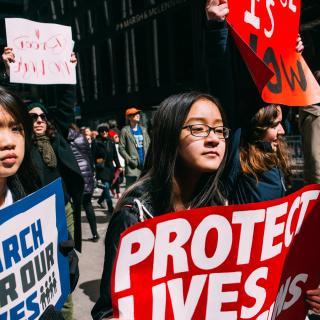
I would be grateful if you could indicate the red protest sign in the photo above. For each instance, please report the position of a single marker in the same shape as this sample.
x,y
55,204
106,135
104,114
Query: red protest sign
x,y
265,32
250,261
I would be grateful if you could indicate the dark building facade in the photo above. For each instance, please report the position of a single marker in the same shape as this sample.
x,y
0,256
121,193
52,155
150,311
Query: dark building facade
x,y
137,52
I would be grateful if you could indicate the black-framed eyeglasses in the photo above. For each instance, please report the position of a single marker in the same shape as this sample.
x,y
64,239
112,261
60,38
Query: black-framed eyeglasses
x,y
35,116
203,131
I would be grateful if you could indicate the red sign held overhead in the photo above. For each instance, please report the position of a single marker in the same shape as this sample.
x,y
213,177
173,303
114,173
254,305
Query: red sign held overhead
x,y
265,32
252,261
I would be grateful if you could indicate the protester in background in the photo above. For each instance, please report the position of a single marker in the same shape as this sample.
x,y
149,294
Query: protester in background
x,y
118,175
94,134
113,126
258,167
309,122
133,145
83,155
53,157
182,171
86,131
258,158
106,161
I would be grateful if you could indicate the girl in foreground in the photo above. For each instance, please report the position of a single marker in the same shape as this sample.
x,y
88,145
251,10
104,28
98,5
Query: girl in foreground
x,y
17,174
182,171
18,177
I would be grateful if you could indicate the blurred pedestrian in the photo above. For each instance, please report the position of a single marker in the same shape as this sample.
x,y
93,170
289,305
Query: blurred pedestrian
x,y
86,131
83,155
118,175
113,126
133,145
94,134
106,162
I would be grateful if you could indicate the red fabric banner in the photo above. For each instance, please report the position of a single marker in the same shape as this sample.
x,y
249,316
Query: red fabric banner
x,y
265,32
251,261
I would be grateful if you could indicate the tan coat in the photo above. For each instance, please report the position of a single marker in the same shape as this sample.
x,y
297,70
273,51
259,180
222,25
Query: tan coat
x,y
129,151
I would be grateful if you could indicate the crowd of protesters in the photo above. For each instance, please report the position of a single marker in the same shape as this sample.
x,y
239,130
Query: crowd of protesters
x,y
191,160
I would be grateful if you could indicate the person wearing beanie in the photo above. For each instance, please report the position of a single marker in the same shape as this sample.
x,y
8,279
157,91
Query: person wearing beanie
x,y
133,145
53,158
106,162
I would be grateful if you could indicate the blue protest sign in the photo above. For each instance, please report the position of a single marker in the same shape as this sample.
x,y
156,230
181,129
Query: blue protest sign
x,y
33,273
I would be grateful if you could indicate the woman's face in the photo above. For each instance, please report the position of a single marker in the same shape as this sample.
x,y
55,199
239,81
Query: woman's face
x,y
39,121
12,144
135,117
275,131
87,132
202,154
116,139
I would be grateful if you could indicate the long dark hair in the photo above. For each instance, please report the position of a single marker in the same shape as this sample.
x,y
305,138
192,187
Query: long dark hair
x,y
161,159
12,104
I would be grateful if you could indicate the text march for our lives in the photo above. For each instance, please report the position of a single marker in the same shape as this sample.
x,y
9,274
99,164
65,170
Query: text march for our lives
x,y
252,261
33,273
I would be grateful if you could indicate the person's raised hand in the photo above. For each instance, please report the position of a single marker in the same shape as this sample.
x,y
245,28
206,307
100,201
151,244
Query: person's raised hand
x,y
8,57
299,44
217,9
73,58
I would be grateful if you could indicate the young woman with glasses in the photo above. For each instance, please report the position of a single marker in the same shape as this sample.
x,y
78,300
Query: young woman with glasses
x,y
182,171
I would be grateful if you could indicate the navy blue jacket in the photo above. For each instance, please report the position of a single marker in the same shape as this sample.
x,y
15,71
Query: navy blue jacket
x,y
244,188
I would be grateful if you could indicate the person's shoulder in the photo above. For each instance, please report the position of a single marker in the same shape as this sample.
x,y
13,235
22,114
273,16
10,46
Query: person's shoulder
x,y
144,130
125,129
109,141
124,218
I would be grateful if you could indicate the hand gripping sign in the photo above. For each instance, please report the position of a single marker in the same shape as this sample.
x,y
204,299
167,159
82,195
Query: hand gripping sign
x,y
33,273
42,52
265,32
251,261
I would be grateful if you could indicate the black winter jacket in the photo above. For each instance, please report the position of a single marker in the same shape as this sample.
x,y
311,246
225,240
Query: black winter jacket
x,y
68,167
82,152
120,221
105,149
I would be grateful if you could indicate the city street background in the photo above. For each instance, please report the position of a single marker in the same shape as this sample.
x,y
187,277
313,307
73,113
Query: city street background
x,y
90,263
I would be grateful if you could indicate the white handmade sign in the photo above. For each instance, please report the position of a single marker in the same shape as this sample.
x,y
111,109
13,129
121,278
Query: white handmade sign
x,y
42,52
